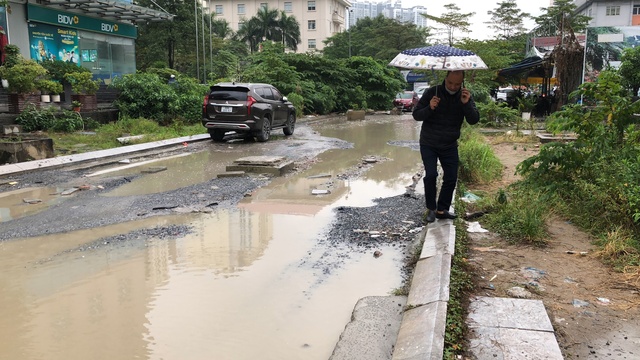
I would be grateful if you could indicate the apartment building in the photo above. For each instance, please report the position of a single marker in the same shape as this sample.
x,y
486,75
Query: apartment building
x,y
391,9
610,13
318,19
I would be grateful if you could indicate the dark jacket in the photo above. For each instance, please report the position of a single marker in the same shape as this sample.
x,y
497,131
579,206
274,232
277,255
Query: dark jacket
x,y
441,127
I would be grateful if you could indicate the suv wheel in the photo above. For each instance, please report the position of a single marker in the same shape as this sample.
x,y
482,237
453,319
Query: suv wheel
x,y
217,135
263,134
290,125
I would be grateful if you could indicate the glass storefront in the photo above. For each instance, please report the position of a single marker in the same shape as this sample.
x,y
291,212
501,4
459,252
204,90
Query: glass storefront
x,y
107,56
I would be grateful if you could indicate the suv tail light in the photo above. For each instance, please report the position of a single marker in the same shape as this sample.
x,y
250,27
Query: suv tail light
x,y
205,101
250,101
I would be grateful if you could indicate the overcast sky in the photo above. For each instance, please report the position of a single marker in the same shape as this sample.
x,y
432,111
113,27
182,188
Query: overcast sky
x,y
479,30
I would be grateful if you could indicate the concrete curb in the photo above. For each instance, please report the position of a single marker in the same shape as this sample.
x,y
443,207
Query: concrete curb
x,y
421,334
95,156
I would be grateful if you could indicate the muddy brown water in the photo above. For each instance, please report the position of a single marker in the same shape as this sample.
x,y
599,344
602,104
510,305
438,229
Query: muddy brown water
x,y
246,284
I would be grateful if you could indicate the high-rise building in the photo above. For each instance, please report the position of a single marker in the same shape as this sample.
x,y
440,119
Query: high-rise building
x,y
391,9
318,19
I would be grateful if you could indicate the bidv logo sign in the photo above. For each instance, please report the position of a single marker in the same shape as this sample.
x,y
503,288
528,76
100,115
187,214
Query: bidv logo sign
x,y
109,28
68,19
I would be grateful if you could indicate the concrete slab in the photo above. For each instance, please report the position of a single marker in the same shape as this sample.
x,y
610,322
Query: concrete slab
x,y
513,344
430,280
440,239
260,160
421,335
277,168
371,334
512,313
510,329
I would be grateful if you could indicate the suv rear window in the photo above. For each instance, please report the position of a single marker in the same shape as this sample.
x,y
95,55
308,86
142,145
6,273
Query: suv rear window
x,y
228,94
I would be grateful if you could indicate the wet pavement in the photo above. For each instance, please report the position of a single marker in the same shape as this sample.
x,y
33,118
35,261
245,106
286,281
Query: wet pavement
x,y
244,282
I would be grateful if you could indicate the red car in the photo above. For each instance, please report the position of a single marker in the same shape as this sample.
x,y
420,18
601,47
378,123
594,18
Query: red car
x,y
406,100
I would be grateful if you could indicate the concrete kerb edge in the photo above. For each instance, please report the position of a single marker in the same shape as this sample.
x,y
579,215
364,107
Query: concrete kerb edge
x,y
96,156
423,326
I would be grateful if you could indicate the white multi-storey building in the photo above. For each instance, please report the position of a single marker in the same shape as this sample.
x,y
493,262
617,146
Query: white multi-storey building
x,y
610,13
391,9
318,19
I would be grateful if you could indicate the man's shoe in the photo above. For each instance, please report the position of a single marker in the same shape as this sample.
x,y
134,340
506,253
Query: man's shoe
x,y
445,215
430,216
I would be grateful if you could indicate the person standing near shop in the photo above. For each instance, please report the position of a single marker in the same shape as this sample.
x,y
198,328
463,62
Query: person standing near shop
x,y
442,110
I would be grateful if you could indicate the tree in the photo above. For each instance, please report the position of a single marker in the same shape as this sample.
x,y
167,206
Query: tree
x,y
174,41
507,19
221,28
380,38
630,69
451,21
272,25
562,17
290,31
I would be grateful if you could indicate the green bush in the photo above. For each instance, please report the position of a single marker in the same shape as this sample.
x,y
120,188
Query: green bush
x,y
33,119
49,119
478,163
497,114
519,215
146,95
67,121
298,101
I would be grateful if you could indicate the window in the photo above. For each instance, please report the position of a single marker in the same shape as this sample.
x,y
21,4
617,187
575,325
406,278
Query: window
x,y
311,44
240,8
311,25
287,7
263,5
311,5
613,10
219,9
636,9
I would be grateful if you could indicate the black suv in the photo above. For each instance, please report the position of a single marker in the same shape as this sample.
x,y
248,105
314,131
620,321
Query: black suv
x,y
253,109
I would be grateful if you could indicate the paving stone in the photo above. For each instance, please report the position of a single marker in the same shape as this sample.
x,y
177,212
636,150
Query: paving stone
x,y
509,313
514,344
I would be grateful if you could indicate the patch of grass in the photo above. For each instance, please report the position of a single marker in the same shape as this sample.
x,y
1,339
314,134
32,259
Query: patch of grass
x,y
619,249
460,286
512,137
518,215
478,163
105,135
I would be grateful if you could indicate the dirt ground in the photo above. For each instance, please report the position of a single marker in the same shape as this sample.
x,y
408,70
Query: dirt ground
x,y
594,310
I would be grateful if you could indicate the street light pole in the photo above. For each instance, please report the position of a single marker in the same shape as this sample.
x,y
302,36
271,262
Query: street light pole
x,y
349,30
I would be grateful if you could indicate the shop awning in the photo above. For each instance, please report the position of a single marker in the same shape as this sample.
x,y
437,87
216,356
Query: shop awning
x,y
115,10
525,65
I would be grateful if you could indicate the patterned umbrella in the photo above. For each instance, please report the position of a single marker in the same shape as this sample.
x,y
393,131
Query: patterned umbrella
x,y
438,57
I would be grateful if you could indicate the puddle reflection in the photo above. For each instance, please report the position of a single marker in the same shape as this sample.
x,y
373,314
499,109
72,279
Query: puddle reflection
x,y
248,283
14,204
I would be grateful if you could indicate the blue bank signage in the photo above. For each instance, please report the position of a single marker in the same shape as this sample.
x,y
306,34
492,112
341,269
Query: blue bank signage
x,y
81,22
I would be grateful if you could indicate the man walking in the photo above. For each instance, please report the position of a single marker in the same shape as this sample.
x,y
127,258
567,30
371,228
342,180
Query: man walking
x,y
442,110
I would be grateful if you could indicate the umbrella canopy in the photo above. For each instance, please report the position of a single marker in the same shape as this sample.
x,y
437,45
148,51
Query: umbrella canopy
x,y
438,57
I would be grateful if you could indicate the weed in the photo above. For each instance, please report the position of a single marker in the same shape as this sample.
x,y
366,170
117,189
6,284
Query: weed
x,y
478,163
460,286
519,216
619,249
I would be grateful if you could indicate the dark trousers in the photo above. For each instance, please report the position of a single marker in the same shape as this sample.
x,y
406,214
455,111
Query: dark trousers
x,y
449,162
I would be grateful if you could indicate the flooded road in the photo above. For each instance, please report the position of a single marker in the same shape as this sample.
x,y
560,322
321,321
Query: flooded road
x,y
251,282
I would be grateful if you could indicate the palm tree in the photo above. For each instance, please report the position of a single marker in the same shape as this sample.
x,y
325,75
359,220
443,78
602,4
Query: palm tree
x,y
290,31
267,24
248,33
221,28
